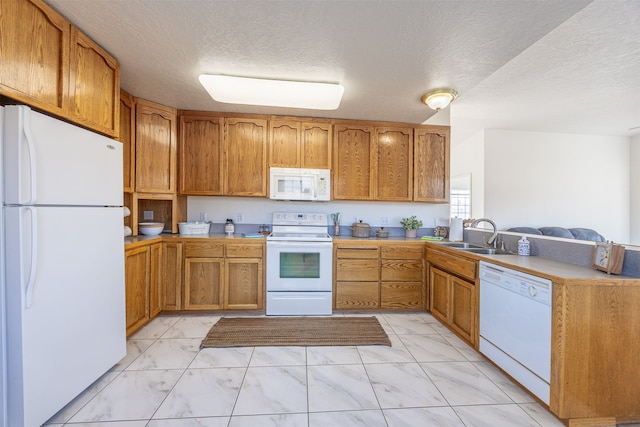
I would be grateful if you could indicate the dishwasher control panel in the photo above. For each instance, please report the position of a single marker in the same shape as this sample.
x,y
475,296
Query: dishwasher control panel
x,y
527,285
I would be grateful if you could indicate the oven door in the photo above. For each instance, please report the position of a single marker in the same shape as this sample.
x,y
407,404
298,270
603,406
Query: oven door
x,y
299,266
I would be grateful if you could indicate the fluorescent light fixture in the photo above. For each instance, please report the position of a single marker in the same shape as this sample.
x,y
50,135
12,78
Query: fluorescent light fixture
x,y
273,93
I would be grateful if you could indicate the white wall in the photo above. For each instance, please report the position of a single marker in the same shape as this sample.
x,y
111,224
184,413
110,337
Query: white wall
x,y
635,189
541,179
468,157
258,211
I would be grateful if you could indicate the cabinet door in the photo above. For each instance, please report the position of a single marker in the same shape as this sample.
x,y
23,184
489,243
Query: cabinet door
x,y
34,41
137,277
172,275
284,144
352,163
155,148
155,283
463,308
439,294
201,155
245,152
431,166
127,137
315,147
394,164
94,85
244,283
203,283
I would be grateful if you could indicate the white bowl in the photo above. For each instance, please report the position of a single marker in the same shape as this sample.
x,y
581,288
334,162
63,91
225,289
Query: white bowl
x,y
151,228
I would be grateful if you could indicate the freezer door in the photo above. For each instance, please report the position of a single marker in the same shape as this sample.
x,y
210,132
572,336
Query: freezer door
x,y
51,162
65,305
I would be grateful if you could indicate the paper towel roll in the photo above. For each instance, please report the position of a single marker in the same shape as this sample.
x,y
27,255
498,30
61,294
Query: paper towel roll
x,y
455,229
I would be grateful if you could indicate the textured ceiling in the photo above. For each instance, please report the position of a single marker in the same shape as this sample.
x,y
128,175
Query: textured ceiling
x,y
386,54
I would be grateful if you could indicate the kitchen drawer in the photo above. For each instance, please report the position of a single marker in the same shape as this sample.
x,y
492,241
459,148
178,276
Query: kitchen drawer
x,y
403,252
243,250
357,269
203,250
457,265
401,295
357,253
362,295
402,270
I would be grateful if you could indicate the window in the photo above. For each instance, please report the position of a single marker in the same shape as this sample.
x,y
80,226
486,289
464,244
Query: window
x,y
460,203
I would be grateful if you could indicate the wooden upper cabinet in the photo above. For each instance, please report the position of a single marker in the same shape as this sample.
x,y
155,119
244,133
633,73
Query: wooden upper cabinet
x,y
94,85
394,164
127,137
245,157
431,165
156,152
316,142
295,144
352,162
34,50
284,144
201,149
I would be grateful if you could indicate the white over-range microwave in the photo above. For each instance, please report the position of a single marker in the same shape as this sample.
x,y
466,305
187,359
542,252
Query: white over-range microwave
x,y
313,185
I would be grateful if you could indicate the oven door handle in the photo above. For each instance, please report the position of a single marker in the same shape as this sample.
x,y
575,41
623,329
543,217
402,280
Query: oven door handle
x,y
292,243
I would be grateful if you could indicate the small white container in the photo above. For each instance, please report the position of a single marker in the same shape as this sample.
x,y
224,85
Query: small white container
x,y
524,246
194,227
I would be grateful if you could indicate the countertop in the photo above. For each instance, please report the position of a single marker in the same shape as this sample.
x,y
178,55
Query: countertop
x,y
555,270
133,241
544,267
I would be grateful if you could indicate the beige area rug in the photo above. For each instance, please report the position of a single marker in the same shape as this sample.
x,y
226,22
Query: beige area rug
x,y
295,331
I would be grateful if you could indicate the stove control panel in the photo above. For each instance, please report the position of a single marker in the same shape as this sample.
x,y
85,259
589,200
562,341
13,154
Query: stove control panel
x,y
295,218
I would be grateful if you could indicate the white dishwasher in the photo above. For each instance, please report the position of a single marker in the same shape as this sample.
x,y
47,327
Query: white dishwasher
x,y
515,325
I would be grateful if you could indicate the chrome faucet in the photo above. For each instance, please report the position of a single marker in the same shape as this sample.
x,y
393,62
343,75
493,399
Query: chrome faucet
x,y
493,239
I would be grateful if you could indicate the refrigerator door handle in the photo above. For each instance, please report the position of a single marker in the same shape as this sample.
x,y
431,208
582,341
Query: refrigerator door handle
x,y
33,259
31,147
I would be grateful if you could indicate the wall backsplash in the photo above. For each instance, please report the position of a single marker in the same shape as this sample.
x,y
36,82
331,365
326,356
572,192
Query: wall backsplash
x,y
259,211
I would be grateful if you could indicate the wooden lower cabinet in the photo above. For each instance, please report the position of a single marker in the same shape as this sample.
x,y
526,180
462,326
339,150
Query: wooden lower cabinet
x,y
156,279
454,299
463,308
357,277
223,276
172,275
379,275
402,276
203,283
439,294
144,278
137,267
243,283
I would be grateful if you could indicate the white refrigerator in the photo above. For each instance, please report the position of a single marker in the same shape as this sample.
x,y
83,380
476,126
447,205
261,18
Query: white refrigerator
x,y
63,253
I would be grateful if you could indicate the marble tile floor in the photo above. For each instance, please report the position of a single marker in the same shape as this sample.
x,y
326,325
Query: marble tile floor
x,y
427,378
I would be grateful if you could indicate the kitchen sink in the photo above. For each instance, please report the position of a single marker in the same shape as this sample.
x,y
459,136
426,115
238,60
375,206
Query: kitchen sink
x,y
461,245
485,251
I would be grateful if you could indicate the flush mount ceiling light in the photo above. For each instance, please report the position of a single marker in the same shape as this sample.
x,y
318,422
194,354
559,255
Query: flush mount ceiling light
x,y
439,98
272,93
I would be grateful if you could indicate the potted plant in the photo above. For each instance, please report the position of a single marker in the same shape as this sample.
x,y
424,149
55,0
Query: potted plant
x,y
410,225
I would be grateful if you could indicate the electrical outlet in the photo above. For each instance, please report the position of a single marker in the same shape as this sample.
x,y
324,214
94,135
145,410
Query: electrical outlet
x,y
240,217
148,215
384,220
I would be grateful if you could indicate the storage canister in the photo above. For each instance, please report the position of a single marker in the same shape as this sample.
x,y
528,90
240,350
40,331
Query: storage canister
x,y
524,247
